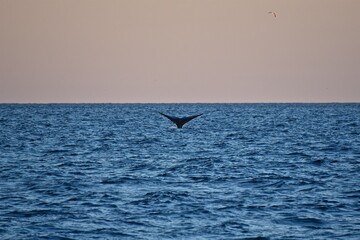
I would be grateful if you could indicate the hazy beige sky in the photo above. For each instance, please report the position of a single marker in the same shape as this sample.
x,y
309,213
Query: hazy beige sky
x,y
179,51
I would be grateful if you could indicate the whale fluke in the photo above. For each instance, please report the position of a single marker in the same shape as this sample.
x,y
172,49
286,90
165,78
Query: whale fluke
x,y
180,121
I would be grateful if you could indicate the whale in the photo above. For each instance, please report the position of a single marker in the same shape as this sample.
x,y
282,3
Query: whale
x,y
180,122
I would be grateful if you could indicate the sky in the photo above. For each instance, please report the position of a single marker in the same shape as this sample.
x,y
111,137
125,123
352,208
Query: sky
x,y
169,51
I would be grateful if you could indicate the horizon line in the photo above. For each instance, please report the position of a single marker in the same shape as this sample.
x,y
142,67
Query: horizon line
x,y
295,102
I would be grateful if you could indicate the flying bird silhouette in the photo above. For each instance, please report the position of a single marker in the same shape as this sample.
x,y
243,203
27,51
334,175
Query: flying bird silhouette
x,y
180,121
273,13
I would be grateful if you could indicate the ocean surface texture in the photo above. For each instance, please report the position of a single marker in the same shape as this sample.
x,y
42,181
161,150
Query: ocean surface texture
x,y
123,171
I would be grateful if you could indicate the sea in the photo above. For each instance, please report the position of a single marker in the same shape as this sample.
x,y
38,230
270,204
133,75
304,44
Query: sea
x,y
123,171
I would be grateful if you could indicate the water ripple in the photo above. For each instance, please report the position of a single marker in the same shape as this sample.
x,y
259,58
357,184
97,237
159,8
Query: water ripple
x,y
119,171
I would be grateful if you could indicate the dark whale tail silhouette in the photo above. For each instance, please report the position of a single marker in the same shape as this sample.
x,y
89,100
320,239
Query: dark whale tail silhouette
x,y
180,121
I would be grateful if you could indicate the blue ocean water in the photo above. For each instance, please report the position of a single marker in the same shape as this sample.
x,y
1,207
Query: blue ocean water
x,y
123,171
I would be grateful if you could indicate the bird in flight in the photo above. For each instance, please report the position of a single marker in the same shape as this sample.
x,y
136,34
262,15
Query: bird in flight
x,y
273,13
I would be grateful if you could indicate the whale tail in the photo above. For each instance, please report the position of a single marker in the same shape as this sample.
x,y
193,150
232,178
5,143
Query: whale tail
x,y
180,122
